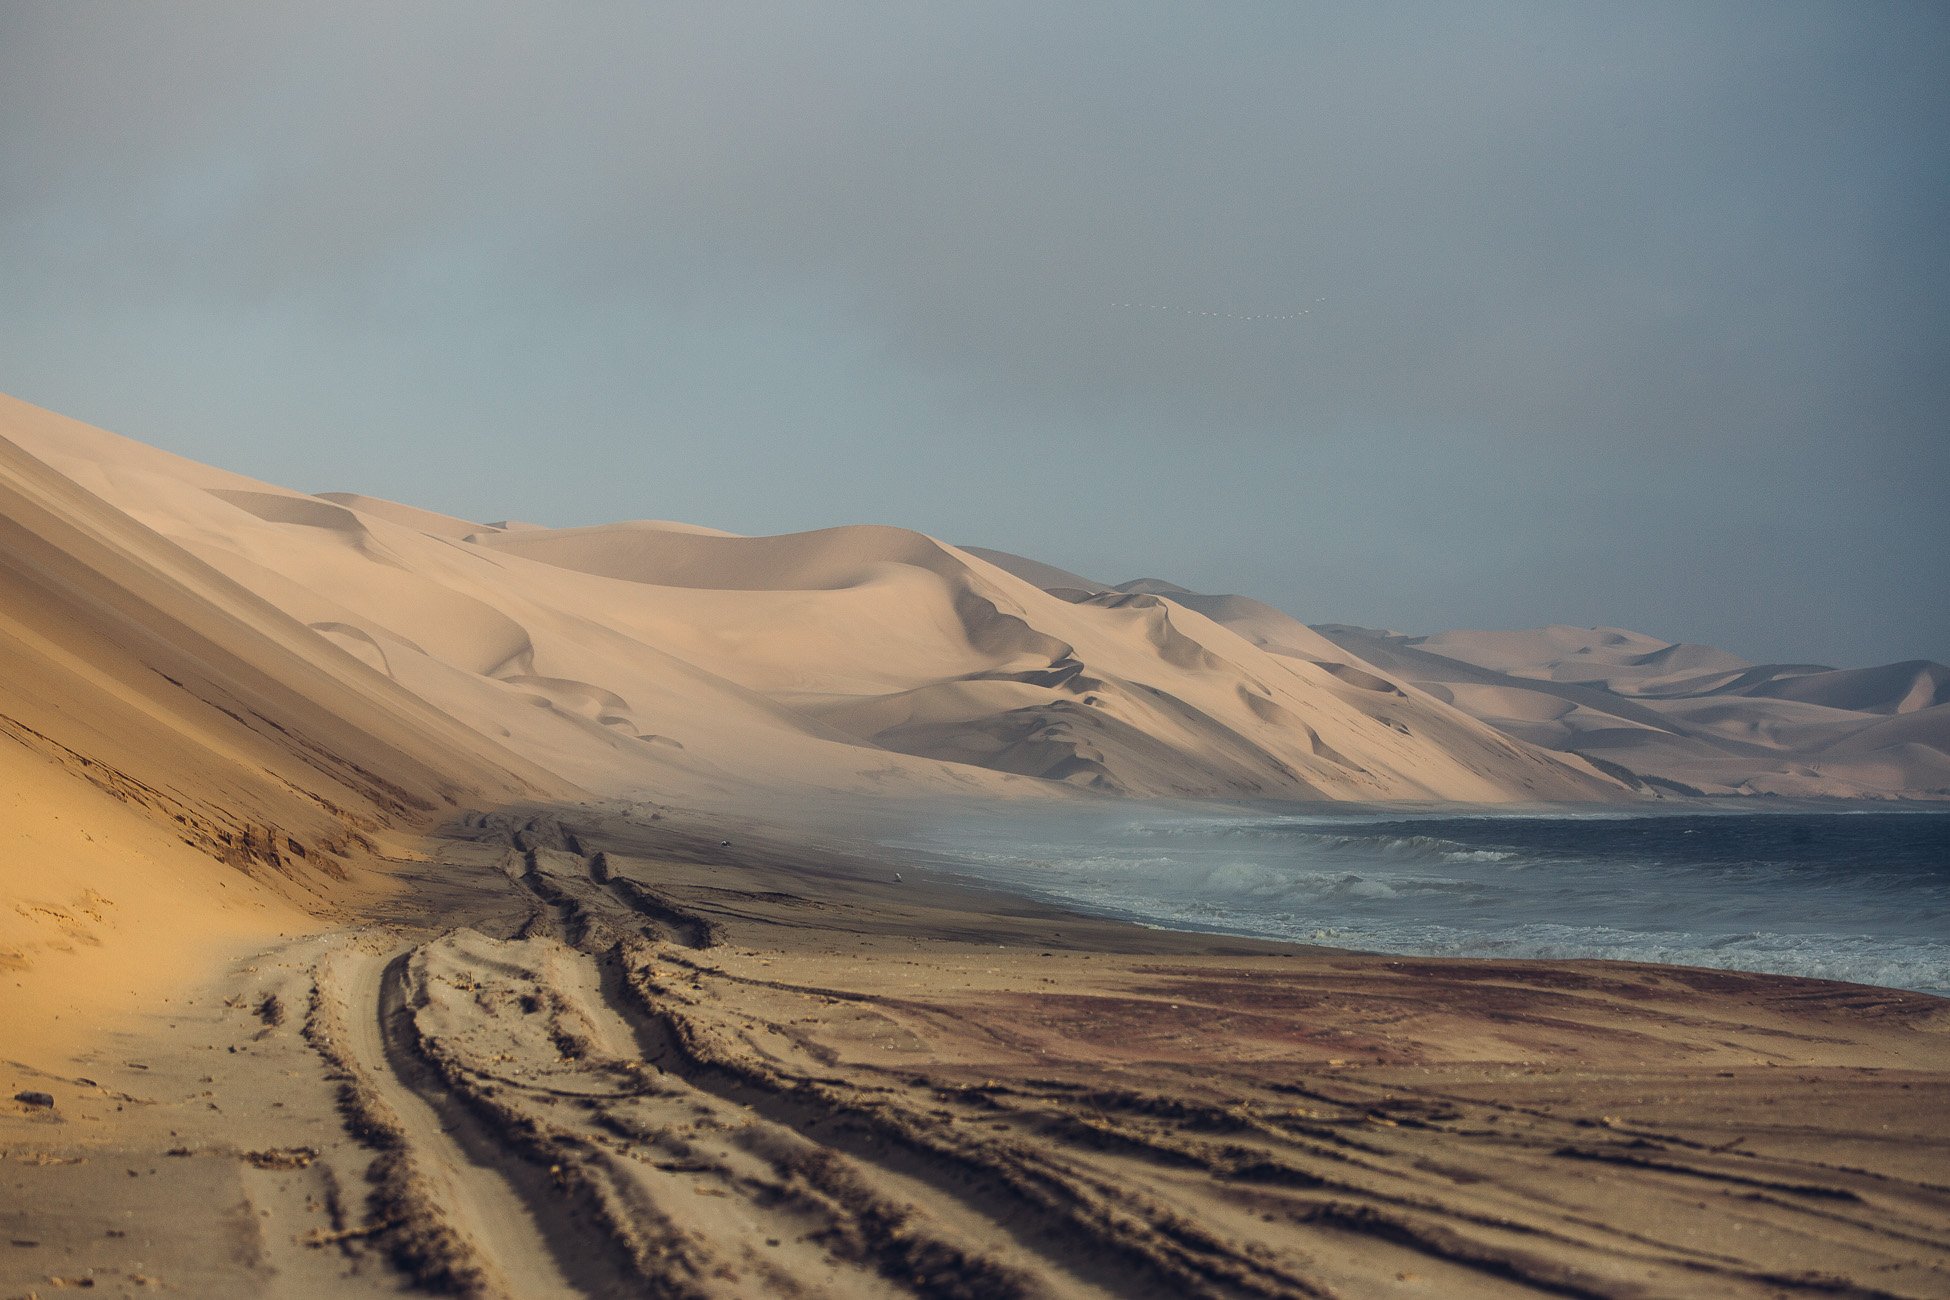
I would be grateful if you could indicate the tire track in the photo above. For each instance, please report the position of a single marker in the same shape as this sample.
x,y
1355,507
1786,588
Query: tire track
x,y
656,1125
448,1220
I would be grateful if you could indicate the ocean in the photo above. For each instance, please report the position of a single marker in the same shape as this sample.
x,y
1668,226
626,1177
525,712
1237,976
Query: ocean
x,y
1859,895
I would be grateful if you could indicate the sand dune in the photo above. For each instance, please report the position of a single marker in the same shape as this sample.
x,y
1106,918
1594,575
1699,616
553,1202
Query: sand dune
x,y
1613,656
1662,716
1689,718
1890,688
1117,691
186,760
423,521
851,658
1035,572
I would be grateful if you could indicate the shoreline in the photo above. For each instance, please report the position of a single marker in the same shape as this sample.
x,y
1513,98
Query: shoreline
x,y
1041,855
648,1058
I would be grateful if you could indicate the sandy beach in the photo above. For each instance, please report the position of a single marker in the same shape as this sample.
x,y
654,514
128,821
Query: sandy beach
x,y
572,1051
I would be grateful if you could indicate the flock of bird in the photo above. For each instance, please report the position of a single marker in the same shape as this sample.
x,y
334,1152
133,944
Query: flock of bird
x,y
1215,315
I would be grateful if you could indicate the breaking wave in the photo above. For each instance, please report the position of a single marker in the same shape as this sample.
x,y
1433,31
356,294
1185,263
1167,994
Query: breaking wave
x,y
1831,895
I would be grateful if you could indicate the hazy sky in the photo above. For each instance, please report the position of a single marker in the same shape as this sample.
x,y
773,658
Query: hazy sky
x,y
1613,313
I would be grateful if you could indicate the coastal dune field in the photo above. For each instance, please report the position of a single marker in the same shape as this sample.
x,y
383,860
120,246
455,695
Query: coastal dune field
x,y
648,655
401,903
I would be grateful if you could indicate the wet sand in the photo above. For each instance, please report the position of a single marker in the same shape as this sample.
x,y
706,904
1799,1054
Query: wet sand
x,y
578,1053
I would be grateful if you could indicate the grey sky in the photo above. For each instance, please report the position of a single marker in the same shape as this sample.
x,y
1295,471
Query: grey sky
x,y
1619,313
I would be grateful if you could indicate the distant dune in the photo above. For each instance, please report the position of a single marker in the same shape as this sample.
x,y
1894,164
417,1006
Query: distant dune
x,y
1663,717
1689,718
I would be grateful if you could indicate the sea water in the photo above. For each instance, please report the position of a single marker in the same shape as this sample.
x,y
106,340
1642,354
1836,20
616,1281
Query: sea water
x,y
1856,895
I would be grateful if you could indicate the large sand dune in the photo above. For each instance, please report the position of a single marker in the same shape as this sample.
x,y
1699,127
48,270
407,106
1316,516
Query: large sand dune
x,y
1689,718
1662,717
650,658
183,758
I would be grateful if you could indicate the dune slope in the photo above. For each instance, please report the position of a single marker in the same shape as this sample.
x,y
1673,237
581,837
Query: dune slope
x,y
1689,719
183,759
917,647
652,659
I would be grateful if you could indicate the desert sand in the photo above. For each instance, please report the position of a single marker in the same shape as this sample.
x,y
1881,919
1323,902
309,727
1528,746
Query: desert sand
x,y
653,656
1689,719
1661,717
400,902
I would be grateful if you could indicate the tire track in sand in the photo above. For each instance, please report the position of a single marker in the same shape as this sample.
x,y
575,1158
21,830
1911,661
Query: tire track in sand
x,y
458,1183
615,1084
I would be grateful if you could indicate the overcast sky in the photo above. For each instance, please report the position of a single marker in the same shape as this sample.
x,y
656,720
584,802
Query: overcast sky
x,y
1418,316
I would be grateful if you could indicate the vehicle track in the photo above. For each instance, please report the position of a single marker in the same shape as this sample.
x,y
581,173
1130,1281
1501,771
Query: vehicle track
x,y
597,1106
428,1217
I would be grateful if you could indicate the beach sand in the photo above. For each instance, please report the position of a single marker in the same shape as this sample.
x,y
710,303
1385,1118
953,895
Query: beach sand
x,y
573,1051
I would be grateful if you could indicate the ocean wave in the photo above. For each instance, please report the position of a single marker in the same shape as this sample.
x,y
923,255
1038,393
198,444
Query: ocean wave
x,y
1860,900
1410,848
1386,839
1855,959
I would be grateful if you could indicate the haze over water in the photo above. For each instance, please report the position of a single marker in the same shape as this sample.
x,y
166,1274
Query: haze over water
x,y
1859,896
